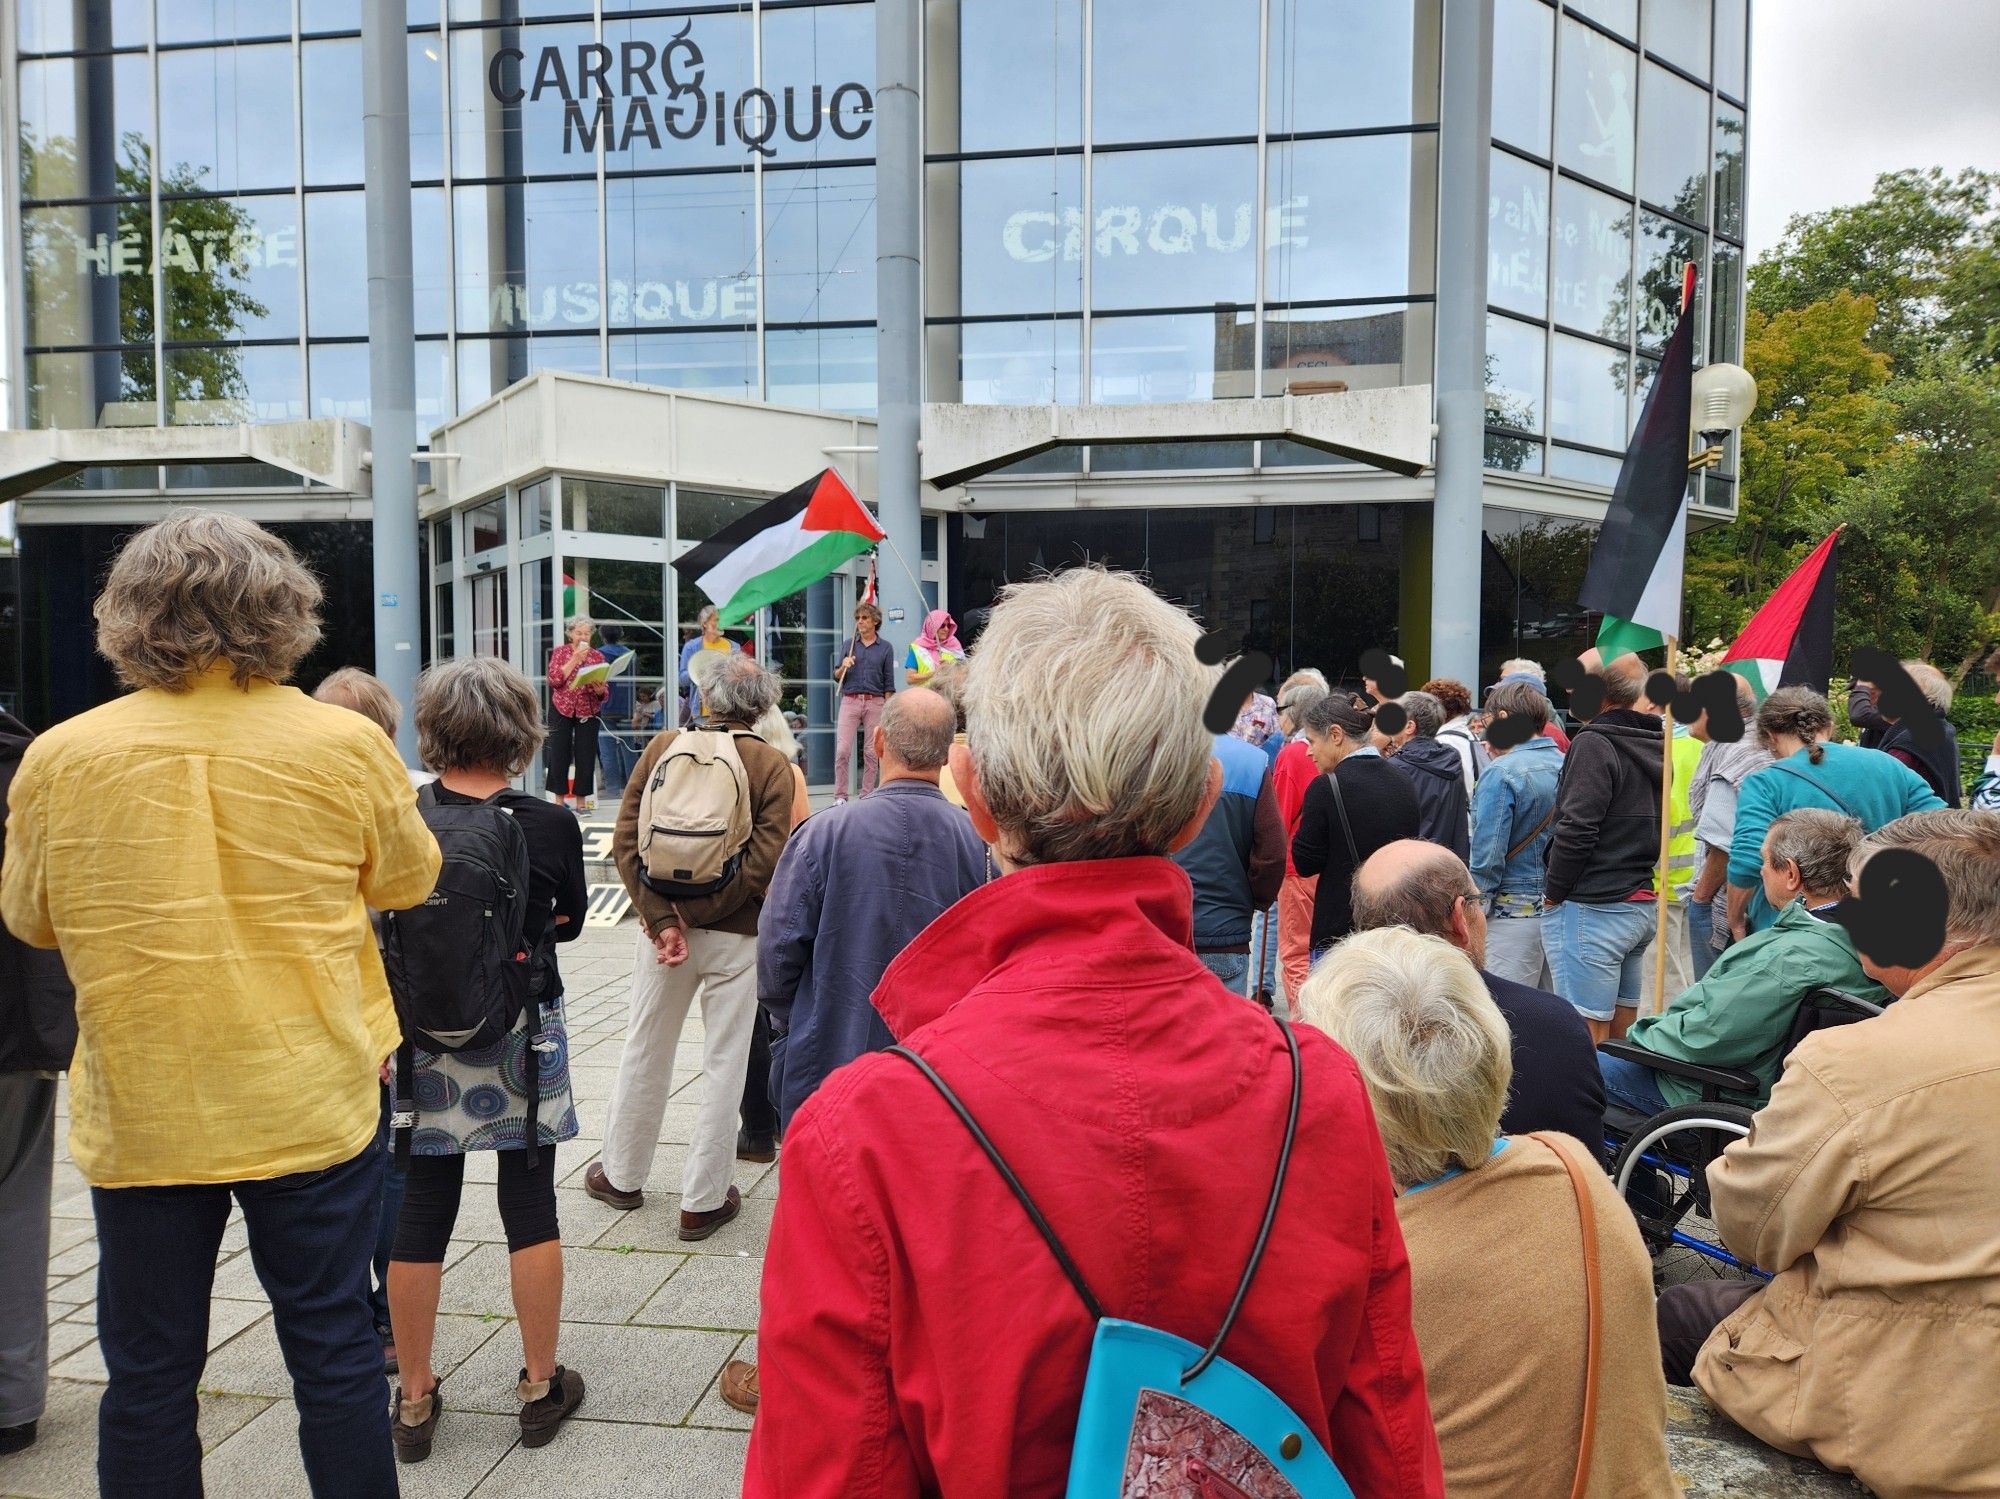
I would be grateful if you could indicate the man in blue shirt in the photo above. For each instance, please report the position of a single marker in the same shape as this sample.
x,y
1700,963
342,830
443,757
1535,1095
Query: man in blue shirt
x,y
866,673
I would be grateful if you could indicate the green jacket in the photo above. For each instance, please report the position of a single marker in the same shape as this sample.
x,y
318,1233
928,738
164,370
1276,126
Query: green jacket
x,y
1740,1014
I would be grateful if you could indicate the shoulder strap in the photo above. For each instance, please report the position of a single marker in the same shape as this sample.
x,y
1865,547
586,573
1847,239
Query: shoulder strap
x,y
1594,1303
1340,811
1817,784
1549,818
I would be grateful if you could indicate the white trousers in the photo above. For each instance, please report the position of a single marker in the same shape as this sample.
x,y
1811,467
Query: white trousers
x,y
722,966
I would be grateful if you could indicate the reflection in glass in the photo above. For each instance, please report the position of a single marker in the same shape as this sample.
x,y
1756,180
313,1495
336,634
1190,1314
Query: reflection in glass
x,y
111,388
226,119
1349,64
1584,468
831,369
1185,357
1587,392
338,377
1726,283
526,256
508,114
1174,69
1728,170
337,265
1593,261
806,56
1732,44
669,131
231,267
87,275
1339,221
1513,455
1020,224
1515,354
614,509
1532,570
1517,236
345,15
221,20
486,525
52,25
491,635
100,154
330,110
819,245
1678,31
1176,228
206,387
1664,248
1622,16
1020,74
1673,155
1020,364
700,513
1594,107
1524,54
682,250
722,363
427,122
1316,350
536,507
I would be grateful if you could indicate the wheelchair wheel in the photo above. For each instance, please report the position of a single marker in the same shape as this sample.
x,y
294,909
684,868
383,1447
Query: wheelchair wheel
x,y
1662,1173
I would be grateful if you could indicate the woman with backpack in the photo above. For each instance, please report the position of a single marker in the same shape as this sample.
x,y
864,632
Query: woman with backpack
x,y
478,726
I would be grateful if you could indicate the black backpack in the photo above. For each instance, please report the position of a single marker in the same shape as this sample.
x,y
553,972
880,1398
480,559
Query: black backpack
x,y
459,965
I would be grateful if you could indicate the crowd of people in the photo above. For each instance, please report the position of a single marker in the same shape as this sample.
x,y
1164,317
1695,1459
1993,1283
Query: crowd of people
x,y
1060,992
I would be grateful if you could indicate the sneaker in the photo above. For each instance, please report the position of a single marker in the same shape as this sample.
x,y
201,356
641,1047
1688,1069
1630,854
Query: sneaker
x,y
598,1185
759,1148
547,1403
17,1438
698,1226
414,1423
739,1386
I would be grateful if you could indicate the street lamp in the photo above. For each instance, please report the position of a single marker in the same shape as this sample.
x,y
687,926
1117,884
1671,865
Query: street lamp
x,y
1724,397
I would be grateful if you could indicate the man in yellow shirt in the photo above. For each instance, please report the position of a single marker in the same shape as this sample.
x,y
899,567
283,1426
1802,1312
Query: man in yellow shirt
x,y
204,851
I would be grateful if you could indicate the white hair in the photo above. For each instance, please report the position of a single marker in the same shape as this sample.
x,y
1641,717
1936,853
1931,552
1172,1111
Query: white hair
x,y
775,730
1083,704
737,689
1522,665
1932,683
1433,1048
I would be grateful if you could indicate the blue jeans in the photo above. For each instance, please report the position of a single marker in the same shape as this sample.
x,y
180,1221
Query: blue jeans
x,y
1514,949
1701,938
385,1231
1596,954
310,1237
1227,966
1634,1086
1264,939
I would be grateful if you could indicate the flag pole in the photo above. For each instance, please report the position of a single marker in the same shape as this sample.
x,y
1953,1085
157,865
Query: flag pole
x,y
906,572
1666,895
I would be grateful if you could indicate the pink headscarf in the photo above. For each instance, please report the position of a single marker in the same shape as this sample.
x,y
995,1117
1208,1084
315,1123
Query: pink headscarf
x,y
933,642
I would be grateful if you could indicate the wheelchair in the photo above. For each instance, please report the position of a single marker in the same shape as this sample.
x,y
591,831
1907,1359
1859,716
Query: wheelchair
x,y
1660,1162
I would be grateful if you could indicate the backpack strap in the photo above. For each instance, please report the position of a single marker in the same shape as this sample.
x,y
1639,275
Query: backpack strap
x,y
403,1104
1818,785
1340,811
1516,849
1594,1310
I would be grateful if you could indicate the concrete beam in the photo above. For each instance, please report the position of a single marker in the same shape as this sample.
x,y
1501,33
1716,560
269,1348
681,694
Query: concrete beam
x,y
331,451
1386,428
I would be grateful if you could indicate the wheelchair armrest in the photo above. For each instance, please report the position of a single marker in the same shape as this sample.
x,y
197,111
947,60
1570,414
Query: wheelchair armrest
x,y
1827,998
1718,1079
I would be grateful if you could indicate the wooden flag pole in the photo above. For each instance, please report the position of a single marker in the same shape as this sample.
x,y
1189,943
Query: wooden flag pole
x,y
1666,891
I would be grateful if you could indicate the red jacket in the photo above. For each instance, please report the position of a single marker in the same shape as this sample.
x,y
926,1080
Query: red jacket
x,y
917,1337
1292,774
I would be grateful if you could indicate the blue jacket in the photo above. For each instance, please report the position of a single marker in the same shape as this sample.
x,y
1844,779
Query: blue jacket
x,y
1515,794
853,888
1237,861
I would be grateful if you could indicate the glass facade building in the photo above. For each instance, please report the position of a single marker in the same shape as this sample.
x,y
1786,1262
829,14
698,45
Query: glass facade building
x,y
1124,202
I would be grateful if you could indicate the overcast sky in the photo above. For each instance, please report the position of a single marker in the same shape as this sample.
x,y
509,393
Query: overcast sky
x,y
1841,90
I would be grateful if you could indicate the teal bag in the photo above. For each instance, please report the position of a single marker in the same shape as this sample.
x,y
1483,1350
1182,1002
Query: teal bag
x,y
1162,1418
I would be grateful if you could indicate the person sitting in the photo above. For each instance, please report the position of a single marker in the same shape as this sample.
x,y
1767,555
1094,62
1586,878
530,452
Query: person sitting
x,y
1740,1013
1506,1356
1428,889
917,1336
1865,1188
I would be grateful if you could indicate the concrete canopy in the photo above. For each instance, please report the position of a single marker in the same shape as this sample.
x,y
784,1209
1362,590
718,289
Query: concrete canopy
x,y
331,451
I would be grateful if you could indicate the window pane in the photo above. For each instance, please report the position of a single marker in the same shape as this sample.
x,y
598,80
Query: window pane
x,y
1174,69
1593,261
1312,350
1517,236
231,267
1020,235
339,378
1514,356
1726,284
491,634
1728,170
831,369
224,385
1019,364
221,20
330,74
107,389
819,245
682,249
1347,64
1585,468
1340,220
537,505
486,526
654,127
337,265
487,366
1664,248
115,96
87,273
226,119
1678,31
433,387
1732,43
1622,16
1524,56
699,514
510,113
526,256
1195,356
430,269
52,25
345,15
722,363
614,509
807,55
1587,392
1176,228
1513,455
426,107
1594,120
1673,164
1020,73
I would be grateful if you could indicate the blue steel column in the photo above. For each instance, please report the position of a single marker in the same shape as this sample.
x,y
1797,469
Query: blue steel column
x,y
1464,152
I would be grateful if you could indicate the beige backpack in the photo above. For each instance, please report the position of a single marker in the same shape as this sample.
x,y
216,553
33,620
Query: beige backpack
x,y
694,815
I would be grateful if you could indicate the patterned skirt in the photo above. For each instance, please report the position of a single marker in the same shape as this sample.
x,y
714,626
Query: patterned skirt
x,y
478,1100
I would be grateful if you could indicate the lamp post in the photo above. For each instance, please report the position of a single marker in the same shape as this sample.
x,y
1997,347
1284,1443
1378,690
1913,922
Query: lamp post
x,y
1724,397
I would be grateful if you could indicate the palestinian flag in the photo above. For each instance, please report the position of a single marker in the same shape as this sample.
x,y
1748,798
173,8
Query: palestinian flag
x,y
1635,572
1789,642
781,547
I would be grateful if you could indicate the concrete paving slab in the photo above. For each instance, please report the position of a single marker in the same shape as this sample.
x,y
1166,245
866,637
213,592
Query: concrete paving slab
x,y
710,1290
620,1460
659,1228
713,1410
599,1285
263,1458
63,1462
646,1374
226,1320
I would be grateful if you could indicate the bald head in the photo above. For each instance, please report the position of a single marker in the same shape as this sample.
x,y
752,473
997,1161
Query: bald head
x,y
915,734
1418,885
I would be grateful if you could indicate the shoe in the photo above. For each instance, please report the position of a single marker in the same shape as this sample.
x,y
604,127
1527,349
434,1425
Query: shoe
x,y
413,1423
598,1185
698,1226
760,1148
589,806
739,1386
547,1404
17,1438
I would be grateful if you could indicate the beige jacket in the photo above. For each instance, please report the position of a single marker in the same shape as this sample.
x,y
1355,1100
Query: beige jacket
x,y
1871,1184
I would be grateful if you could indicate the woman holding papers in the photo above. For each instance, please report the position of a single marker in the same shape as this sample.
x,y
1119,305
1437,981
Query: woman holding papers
x,y
578,677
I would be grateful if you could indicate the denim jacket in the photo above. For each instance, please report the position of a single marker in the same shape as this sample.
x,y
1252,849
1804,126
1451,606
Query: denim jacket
x,y
1515,793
